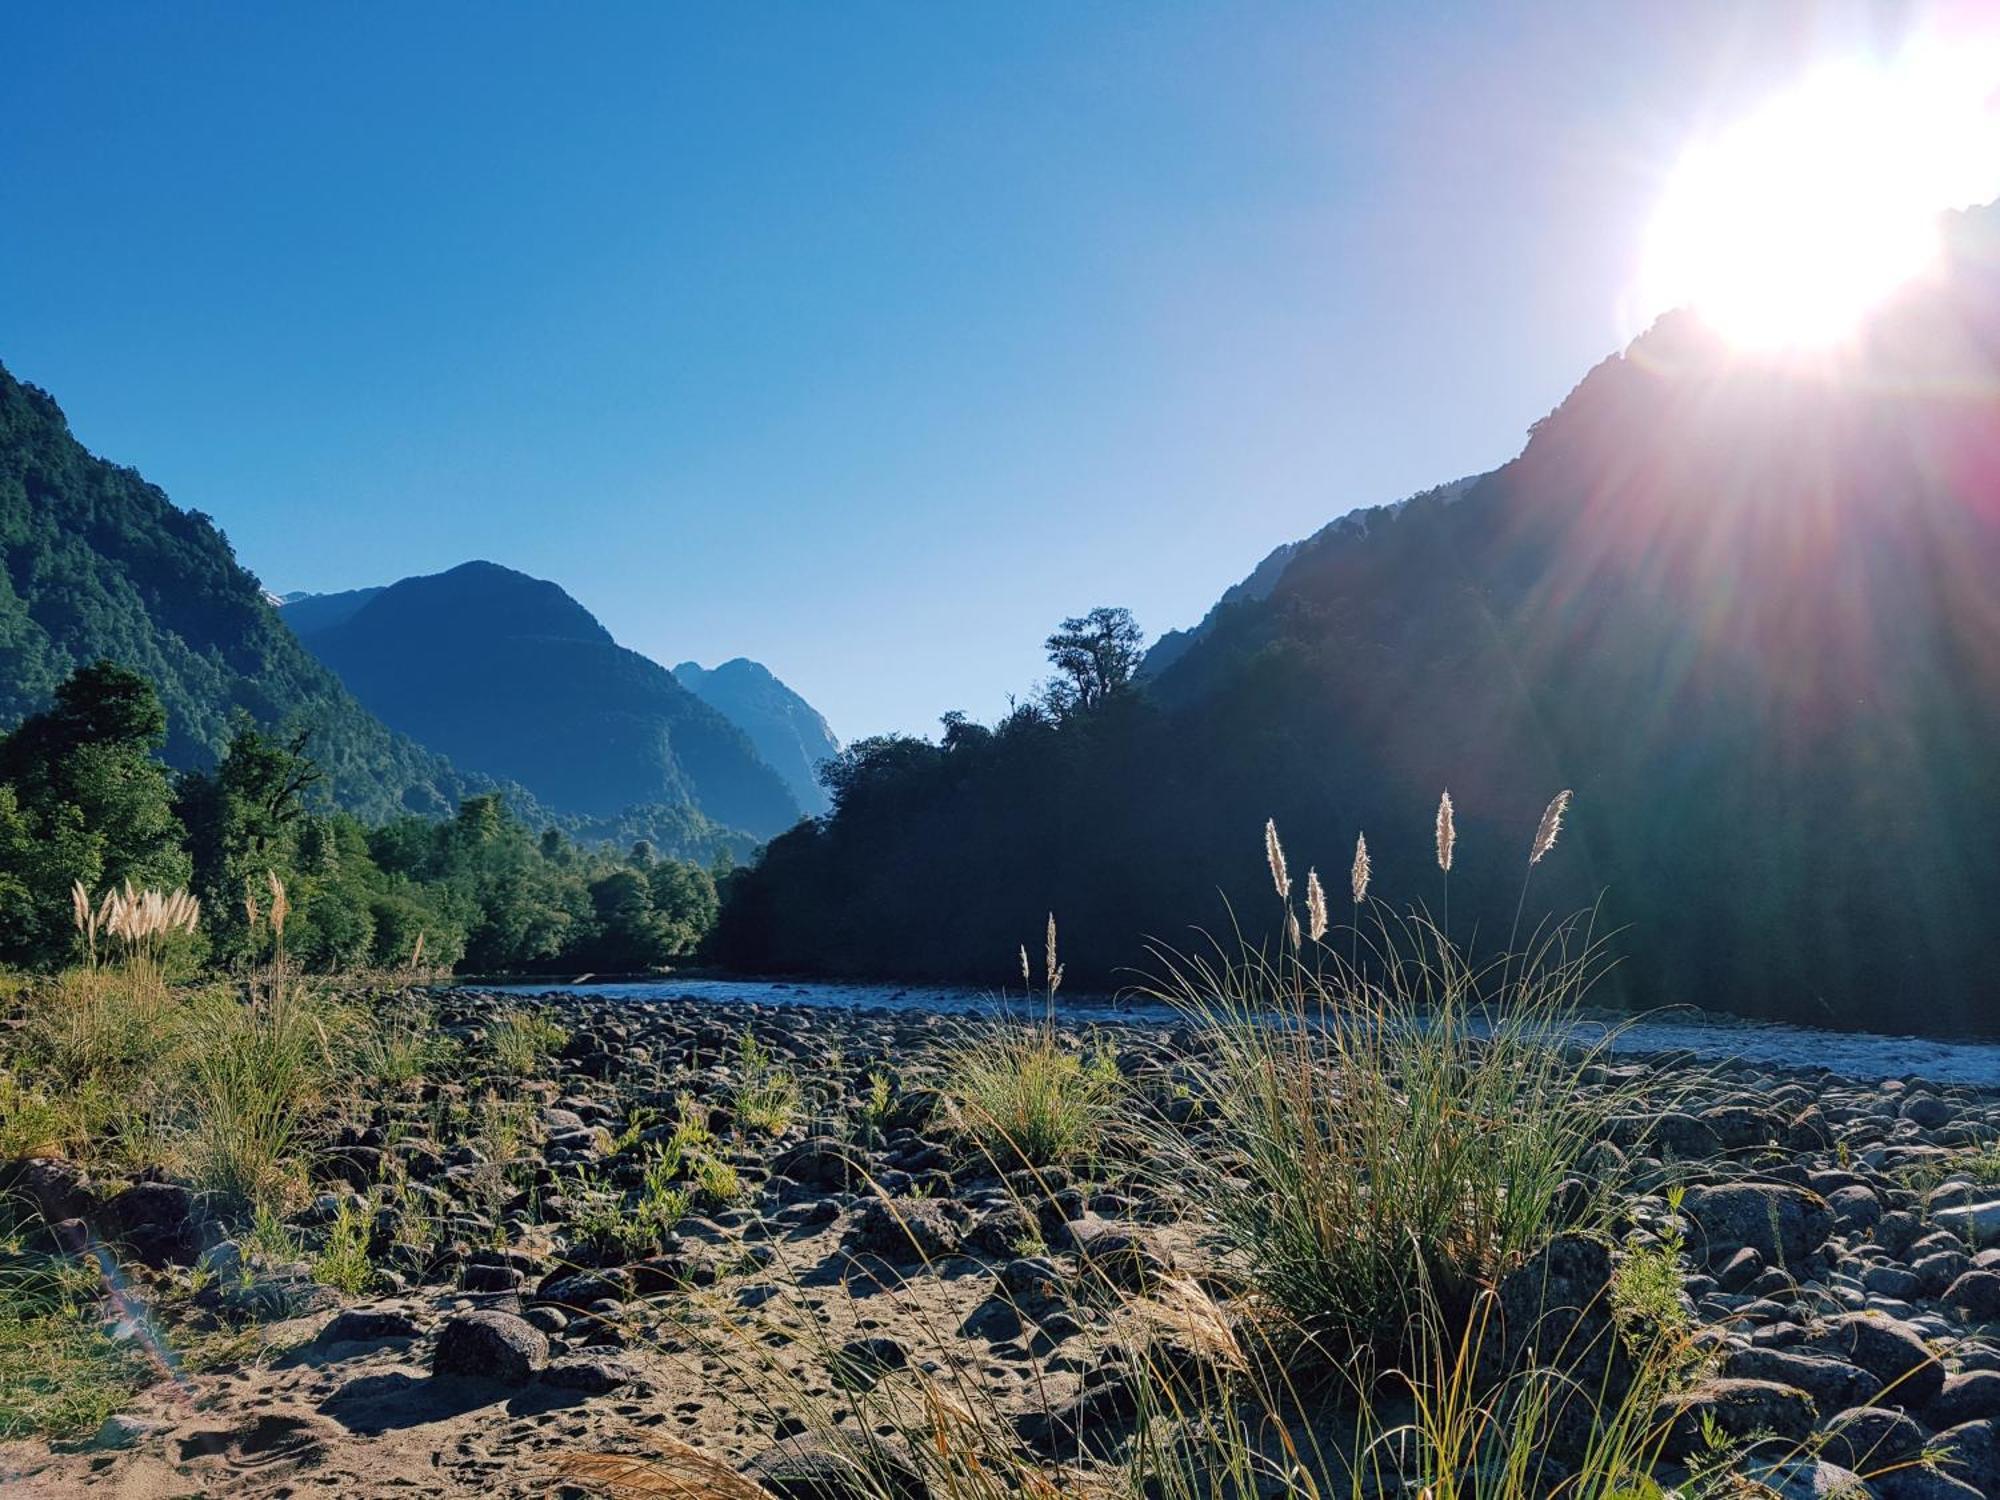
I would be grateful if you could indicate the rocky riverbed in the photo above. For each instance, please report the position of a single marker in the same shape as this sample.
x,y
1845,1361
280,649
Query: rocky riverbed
x,y
541,1287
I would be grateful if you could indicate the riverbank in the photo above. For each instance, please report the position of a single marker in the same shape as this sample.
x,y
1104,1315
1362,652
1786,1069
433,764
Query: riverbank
x,y
597,1223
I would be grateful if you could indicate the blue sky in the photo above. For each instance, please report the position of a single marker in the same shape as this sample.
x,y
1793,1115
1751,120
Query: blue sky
x,y
864,340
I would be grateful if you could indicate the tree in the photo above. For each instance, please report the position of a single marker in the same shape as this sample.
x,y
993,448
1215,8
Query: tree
x,y
1095,656
90,804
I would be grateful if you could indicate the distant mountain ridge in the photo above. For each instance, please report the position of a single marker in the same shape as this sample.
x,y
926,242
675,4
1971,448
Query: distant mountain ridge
x,y
790,734
308,614
510,673
95,562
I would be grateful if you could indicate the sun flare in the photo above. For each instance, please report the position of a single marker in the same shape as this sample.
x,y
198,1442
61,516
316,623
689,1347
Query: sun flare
x,y
1785,228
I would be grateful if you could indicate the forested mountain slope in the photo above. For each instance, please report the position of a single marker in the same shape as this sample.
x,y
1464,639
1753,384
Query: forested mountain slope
x,y
95,562
1744,606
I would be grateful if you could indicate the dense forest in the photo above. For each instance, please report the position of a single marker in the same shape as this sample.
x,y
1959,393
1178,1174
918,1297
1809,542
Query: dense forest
x,y
1746,612
84,800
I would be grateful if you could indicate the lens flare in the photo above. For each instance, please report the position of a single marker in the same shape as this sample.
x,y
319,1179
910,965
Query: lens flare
x,y
1784,229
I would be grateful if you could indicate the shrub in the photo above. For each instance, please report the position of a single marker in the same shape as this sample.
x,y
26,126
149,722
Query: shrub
x,y
1417,1129
767,1098
1026,1096
520,1040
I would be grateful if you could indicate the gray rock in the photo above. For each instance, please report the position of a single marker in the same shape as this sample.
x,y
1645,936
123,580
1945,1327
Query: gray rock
x,y
1786,1225
1833,1384
489,1345
1854,1207
1869,1439
802,1468
907,1229
592,1374
1970,1452
1803,1477
1891,1351
156,1222
122,1430
1116,1254
1737,1408
1966,1397
1975,1296
49,1187
1554,1312
1976,1223
1921,1482
860,1364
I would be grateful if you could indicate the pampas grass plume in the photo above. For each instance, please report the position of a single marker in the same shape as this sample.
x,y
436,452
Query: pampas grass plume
x,y
1552,822
1274,856
1316,923
1447,833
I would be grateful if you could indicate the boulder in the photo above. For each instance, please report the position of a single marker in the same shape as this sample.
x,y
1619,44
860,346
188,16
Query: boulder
x,y
1975,1296
1869,1439
1785,1225
489,1345
803,1468
365,1325
906,1229
1968,1396
1833,1384
1737,1409
156,1222
1892,1352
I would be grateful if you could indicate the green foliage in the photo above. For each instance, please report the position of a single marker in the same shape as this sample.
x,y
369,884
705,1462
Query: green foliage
x,y
1372,1136
61,1372
1028,1096
100,564
521,1040
767,1093
342,1261
82,800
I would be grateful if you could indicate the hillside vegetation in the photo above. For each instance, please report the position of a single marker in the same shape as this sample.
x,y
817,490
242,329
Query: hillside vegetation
x,y
97,563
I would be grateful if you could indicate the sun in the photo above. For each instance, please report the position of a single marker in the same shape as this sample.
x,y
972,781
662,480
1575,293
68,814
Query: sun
x,y
1784,229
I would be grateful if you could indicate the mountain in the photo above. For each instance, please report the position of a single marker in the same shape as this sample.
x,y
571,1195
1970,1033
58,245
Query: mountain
x,y
96,562
308,614
509,673
1743,605
789,732
1264,578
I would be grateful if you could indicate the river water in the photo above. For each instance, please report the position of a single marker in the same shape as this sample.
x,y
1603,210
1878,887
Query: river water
x,y
1858,1055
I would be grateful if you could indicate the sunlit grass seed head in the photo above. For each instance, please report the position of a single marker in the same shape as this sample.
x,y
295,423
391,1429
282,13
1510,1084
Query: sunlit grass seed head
x,y
281,905
1447,833
1316,922
1274,856
1358,876
1552,821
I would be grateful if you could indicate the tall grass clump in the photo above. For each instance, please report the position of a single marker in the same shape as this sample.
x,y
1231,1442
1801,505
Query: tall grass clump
x,y
767,1093
61,1371
1026,1094
520,1040
1367,1138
